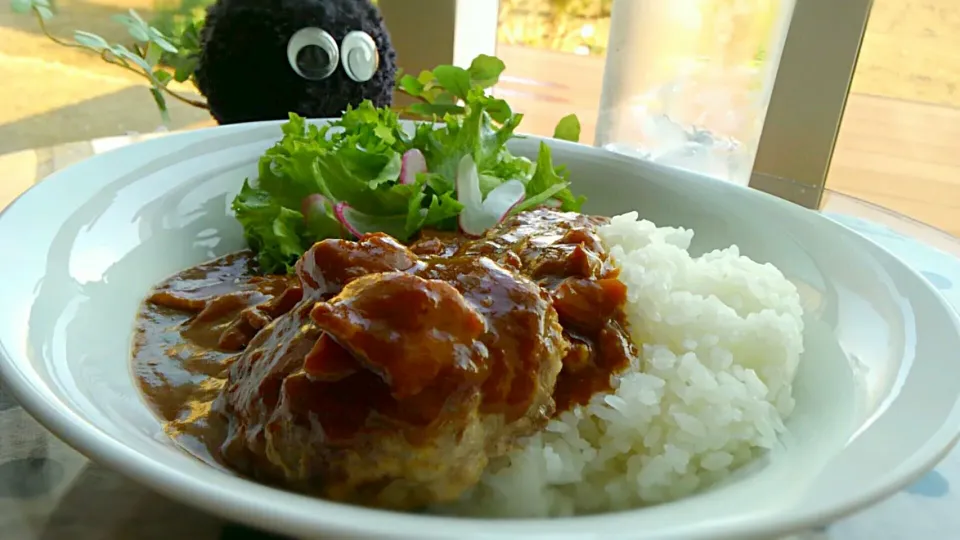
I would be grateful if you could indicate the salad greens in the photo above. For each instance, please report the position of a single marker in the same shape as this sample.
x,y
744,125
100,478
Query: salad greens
x,y
365,172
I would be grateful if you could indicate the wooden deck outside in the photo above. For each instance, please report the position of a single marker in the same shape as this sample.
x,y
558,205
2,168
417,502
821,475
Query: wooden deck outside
x,y
899,154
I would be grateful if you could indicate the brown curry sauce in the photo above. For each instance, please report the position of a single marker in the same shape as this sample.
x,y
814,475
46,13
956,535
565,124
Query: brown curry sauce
x,y
196,323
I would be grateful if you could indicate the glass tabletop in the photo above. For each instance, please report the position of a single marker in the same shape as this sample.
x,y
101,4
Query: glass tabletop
x,y
49,491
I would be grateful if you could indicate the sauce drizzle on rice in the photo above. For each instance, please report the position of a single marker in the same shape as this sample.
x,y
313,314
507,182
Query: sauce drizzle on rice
x,y
721,339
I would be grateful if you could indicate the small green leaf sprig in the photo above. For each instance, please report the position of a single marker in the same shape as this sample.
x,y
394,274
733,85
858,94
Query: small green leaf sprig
x,y
151,45
447,89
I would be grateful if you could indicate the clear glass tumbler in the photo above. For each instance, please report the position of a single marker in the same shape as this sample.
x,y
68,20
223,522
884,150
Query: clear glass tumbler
x,y
687,82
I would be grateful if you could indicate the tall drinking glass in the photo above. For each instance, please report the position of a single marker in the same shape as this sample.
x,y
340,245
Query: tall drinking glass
x,y
687,82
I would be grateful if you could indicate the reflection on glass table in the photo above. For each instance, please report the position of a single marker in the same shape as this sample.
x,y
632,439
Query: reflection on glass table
x,y
49,491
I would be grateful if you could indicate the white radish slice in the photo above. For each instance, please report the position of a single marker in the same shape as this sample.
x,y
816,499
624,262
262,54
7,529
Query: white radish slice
x,y
468,183
358,223
315,209
313,204
480,214
411,164
341,209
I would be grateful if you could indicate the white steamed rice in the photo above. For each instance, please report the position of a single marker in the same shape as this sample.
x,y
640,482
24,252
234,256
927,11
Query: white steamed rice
x,y
720,338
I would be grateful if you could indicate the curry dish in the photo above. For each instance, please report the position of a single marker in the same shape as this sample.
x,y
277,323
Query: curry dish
x,y
383,374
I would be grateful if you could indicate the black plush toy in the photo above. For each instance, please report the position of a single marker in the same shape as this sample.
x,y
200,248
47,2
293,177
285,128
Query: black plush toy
x,y
258,59
263,59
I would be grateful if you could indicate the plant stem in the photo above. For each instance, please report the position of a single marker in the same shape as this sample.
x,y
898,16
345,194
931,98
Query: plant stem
x,y
58,41
107,57
184,99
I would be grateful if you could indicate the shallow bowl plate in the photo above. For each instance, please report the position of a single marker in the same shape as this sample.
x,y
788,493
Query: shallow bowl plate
x,y
877,392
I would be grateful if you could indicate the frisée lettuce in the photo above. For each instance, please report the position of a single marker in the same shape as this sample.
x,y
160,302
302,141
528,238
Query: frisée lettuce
x,y
368,172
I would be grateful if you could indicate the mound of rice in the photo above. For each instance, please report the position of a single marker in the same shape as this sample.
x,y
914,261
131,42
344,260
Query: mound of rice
x,y
721,336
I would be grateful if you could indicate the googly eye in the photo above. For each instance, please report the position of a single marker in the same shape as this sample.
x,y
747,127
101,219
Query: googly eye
x,y
360,56
313,53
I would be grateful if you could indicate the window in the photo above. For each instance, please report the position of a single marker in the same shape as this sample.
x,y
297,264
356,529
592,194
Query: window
x,y
688,83
898,140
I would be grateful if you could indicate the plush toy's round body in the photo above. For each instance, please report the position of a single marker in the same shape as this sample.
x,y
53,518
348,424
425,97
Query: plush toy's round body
x,y
263,59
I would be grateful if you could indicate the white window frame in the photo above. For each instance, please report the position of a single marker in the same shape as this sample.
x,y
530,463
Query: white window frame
x,y
806,105
809,96
428,33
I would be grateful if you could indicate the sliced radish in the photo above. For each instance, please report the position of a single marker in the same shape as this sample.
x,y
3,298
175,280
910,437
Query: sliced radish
x,y
319,219
468,183
358,223
341,209
313,204
412,163
553,203
504,198
480,214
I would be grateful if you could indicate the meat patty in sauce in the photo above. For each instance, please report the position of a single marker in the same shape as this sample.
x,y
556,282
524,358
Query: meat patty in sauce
x,y
396,378
388,375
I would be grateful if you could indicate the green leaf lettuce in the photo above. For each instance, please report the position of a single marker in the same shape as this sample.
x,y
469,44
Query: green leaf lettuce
x,y
351,168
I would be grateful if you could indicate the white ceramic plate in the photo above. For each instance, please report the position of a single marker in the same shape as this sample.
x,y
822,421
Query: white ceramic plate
x,y
877,392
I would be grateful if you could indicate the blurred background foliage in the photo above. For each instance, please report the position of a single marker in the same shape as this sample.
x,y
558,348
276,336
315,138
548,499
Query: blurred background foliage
x,y
173,16
572,26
